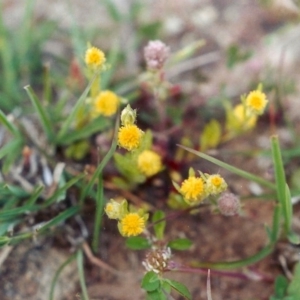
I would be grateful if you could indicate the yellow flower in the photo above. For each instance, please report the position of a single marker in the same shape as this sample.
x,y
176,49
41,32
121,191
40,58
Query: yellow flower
x,y
256,101
242,119
193,190
129,137
94,58
149,163
106,103
132,225
215,184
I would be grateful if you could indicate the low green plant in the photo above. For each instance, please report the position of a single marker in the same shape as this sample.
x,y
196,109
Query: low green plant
x,y
137,160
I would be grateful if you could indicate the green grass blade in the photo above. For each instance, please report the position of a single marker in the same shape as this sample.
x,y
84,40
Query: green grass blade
x,y
81,275
10,126
267,250
35,195
61,190
11,147
55,278
44,118
85,132
72,115
232,169
98,214
59,218
283,194
13,212
103,163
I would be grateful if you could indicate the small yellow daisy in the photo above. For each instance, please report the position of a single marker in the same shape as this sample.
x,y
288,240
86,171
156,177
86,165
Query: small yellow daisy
x,y
129,137
256,101
132,225
94,58
193,190
149,163
106,103
215,184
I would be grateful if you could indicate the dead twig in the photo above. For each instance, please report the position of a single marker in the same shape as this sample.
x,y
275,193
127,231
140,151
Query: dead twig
x,y
96,261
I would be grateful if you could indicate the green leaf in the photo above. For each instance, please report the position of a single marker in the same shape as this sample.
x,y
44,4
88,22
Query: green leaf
x,y
180,244
137,243
293,238
9,125
11,147
85,132
63,216
44,118
67,123
3,240
211,135
156,295
283,193
80,266
180,288
281,285
150,282
165,286
159,228
294,286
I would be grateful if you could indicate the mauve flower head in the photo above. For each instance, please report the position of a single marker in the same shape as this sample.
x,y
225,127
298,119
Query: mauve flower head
x,y
228,204
156,54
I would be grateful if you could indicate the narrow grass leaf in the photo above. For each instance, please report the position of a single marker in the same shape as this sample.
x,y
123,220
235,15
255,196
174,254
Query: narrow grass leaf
x,y
98,214
232,169
230,265
85,132
43,116
62,190
79,258
9,125
283,193
10,147
103,163
57,273
66,125
13,212
35,195
63,216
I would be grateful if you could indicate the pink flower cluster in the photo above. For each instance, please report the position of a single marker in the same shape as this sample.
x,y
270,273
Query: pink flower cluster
x,y
156,54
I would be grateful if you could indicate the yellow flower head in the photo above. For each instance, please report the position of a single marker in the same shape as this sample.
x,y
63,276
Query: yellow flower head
x,y
129,137
149,163
215,184
106,103
256,101
242,119
193,190
94,58
132,224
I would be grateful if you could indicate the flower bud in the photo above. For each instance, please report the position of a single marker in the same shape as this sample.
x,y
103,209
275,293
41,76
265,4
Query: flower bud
x,y
228,204
128,116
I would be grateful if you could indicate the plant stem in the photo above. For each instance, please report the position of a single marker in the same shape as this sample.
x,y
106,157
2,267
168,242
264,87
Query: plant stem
x,y
98,214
